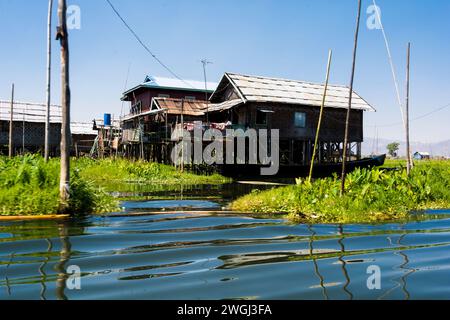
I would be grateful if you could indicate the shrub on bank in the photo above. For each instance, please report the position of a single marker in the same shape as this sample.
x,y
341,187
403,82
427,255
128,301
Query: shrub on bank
x,y
142,172
30,186
372,195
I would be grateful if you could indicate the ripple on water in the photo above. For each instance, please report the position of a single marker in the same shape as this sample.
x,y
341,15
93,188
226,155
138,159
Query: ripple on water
x,y
186,256
170,204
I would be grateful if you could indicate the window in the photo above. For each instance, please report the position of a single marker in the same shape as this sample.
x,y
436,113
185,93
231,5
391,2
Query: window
x,y
136,108
190,98
166,96
300,120
261,117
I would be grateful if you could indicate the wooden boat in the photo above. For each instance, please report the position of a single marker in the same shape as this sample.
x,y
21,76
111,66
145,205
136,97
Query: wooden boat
x,y
297,171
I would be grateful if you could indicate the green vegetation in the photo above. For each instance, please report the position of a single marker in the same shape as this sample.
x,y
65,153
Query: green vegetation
x,y
109,171
30,186
393,148
372,195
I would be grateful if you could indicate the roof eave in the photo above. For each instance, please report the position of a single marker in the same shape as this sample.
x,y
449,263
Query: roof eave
x,y
241,95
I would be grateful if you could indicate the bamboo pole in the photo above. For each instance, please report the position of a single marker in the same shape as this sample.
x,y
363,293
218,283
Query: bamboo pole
x,y
205,63
327,78
49,66
408,143
11,123
182,135
63,37
347,121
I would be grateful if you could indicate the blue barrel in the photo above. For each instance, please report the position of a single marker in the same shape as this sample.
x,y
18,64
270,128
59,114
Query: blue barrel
x,y
107,120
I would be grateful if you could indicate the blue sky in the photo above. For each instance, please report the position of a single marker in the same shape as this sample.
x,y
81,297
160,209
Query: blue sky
x,y
288,39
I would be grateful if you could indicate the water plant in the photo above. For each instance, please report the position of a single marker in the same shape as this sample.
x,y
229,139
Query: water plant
x,y
121,170
373,195
30,186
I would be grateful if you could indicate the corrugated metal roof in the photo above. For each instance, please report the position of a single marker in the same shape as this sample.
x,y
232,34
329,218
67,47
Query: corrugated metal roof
x,y
175,83
35,113
169,83
224,105
191,107
424,154
263,89
29,112
174,106
83,128
142,114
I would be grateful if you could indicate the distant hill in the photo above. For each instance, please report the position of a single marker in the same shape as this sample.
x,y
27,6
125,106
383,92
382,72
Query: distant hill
x,y
440,149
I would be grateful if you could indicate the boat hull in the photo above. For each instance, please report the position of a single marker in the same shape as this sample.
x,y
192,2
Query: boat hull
x,y
298,171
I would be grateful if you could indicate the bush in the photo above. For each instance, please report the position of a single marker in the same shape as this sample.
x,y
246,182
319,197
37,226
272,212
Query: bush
x,y
30,186
110,170
372,195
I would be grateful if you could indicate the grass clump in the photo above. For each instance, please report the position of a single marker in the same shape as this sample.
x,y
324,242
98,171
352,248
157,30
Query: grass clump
x,y
30,186
372,195
121,170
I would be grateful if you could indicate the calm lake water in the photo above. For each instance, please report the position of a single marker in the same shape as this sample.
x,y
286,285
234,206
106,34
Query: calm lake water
x,y
176,255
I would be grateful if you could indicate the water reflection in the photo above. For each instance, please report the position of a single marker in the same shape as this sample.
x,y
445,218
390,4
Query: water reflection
x,y
64,257
343,262
402,281
185,256
8,286
403,266
316,265
42,271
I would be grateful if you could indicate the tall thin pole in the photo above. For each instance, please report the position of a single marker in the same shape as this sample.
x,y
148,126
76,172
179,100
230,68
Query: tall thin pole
x,y
327,78
182,134
63,37
11,123
23,131
205,63
49,66
408,143
378,143
347,121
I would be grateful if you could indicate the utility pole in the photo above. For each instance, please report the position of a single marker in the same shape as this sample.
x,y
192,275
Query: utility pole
x,y
327,78
408,143
63,37
205,63
11,122
347,121
182,136
49,64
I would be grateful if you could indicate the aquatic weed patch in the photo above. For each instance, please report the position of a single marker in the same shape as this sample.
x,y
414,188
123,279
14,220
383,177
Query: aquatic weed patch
x,y
30,186
372,195
121,170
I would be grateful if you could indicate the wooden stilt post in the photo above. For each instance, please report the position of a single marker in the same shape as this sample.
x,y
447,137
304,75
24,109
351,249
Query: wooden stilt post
x,y
49,64
408,143
141,135
63,37
347,121
327,78
11,124
182,135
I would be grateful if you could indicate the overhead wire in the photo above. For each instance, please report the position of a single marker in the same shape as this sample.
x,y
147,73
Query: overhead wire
x,y
158,60
391,62
417,118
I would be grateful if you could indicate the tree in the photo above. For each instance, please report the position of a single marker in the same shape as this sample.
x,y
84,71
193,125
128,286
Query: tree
x,y
393,149
63,38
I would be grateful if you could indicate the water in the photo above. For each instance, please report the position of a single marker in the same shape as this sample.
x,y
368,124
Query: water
x,y
177,255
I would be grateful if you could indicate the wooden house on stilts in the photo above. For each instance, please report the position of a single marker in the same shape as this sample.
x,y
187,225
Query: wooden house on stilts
x,y
247,102
293,107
